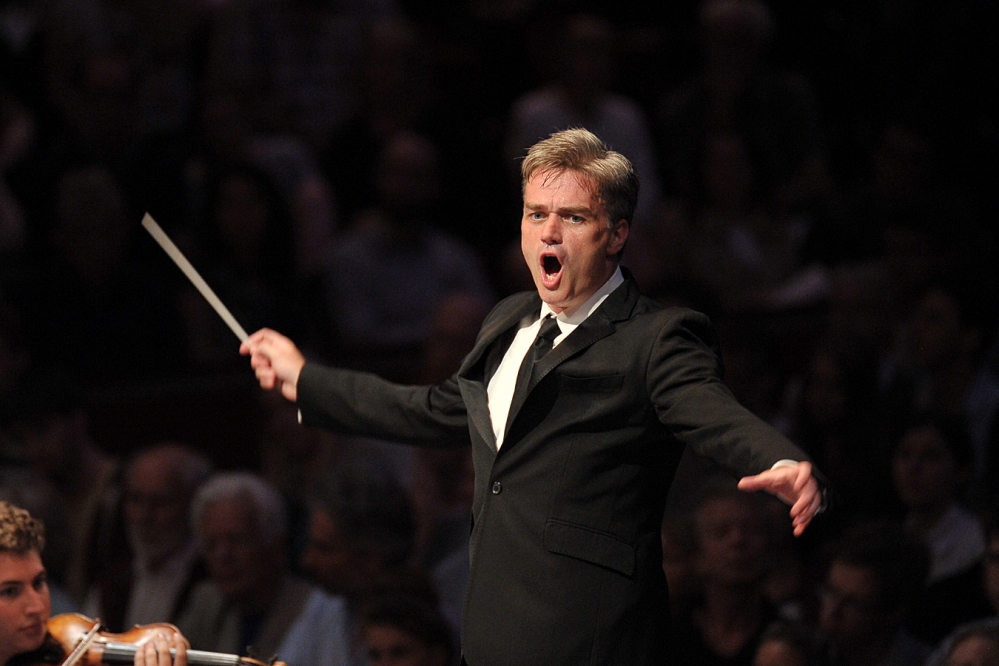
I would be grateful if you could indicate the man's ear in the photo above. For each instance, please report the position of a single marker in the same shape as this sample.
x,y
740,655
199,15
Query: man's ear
x,y
618,237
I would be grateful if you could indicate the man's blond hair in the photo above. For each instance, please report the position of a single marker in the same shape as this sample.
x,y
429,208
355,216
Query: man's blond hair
x,y
580,150
19,532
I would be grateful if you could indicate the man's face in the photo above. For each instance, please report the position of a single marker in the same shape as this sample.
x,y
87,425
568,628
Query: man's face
x,y
924,471
389,646
731,542
155,509
238,562
850,611
330,558
566,240
24,603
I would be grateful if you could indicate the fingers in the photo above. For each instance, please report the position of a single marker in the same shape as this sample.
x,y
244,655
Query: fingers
x,y
804,473
156,651
806,506
180,650
794,485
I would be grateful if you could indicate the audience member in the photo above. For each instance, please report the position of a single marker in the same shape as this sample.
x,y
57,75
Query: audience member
x,y
400,630
736,88
164,563
875,572
990,583
93,305
941,366
792,644
579,95
931,463
725,624
246,252
835,418
395,266
53,428
361,531
250,604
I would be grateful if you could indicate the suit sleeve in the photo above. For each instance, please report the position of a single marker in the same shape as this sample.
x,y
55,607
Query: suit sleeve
x,y
690,399
360,403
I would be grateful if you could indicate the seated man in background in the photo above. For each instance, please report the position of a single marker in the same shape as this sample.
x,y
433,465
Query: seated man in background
x,y
875,572
25,604
250,604
153,582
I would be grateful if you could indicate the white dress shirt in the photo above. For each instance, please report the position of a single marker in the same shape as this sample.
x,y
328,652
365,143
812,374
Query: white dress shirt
x,y
503,382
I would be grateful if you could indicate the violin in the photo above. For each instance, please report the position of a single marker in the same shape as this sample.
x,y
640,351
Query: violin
x,y
84,643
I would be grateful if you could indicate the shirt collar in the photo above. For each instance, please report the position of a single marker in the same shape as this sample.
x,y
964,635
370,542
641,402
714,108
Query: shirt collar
x,y
588,306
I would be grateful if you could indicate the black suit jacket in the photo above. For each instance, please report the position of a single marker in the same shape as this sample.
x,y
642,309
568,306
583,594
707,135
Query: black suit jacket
x,y
566,564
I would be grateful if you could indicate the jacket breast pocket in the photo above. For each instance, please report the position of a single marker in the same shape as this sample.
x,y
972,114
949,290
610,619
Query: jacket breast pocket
x,y
590,546
602,383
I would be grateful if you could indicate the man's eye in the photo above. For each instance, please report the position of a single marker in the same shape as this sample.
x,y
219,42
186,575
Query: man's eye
x,y
537,216
8,592
576,219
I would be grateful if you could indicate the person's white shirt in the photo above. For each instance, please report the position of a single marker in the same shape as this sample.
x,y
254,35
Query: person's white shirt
x,y
503,382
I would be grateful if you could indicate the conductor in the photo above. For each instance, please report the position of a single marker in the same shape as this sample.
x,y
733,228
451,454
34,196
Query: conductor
x,y
577,400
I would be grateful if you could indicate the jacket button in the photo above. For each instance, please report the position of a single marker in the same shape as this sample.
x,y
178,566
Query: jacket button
x,y
497,488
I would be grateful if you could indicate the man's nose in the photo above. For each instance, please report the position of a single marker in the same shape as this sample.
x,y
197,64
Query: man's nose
x,y
551,230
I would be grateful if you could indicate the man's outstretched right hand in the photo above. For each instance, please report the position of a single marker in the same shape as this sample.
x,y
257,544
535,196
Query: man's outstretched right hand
x,y
276,361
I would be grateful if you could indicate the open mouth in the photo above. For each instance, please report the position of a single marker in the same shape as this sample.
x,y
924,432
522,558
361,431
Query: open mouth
x,y
550,265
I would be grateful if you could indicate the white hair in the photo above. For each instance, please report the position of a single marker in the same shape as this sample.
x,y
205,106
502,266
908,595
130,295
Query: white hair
x,y
266,503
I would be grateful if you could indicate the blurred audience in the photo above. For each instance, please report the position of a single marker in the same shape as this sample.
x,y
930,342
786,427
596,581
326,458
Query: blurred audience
x,y
400,630
930,465
579,94
52,425
395,266
875,572
792,644
725,623
348,171
164,562
361,531
250,604
990,584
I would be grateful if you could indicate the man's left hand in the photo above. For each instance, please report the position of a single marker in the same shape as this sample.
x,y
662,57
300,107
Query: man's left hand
x,y
794,485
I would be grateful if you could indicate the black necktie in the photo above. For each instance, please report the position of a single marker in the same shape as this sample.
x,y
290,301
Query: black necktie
x,y
541,346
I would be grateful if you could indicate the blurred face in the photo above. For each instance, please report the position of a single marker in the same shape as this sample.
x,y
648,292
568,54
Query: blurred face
x,y
388,646
52,444
850,612
330,558
566,240
238,562
937,333
155,509
924,470
731,542
974,651
778,653
991,572
24,603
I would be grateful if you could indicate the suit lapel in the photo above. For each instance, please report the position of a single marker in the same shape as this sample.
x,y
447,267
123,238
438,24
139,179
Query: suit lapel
x,y
493,342
617,307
